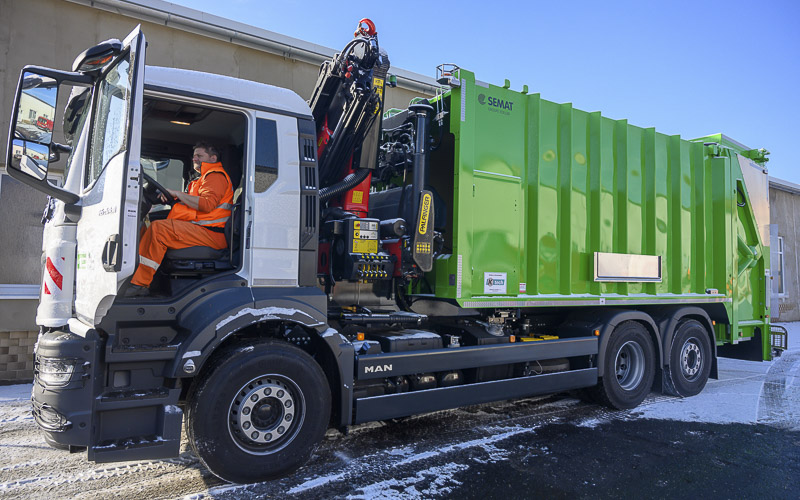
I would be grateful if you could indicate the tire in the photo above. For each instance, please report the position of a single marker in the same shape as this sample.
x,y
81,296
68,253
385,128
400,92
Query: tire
x,y
629,367
258,412
689,359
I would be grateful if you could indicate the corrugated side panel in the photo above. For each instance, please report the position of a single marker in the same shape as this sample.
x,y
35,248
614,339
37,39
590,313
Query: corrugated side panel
x,y
540,186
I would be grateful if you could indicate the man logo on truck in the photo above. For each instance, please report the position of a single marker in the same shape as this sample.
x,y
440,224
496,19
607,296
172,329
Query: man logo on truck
x,y
377,368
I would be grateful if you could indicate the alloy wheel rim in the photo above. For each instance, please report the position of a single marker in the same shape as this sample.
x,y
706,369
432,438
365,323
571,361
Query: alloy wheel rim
x,y
629,365
266,414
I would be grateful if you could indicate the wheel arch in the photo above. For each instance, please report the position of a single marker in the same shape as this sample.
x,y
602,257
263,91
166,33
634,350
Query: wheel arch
x,y
328,349
276,311
668,320
585,322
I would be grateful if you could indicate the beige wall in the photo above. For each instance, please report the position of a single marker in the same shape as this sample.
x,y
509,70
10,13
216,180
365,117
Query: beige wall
x,y
785,212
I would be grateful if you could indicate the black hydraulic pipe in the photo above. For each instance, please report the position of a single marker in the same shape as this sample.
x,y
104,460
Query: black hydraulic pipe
x,y
422,112
383,319
345,185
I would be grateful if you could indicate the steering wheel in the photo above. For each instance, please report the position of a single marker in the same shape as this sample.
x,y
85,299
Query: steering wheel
x,y
151,189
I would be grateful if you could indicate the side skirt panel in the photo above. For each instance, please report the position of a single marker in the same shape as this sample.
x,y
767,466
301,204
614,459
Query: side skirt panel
x,y
410,403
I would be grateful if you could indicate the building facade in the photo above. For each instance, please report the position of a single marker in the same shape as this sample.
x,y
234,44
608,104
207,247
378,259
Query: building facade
x,y
784,202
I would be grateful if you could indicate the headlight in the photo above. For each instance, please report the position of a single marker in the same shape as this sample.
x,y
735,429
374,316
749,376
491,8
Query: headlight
x,y
55,372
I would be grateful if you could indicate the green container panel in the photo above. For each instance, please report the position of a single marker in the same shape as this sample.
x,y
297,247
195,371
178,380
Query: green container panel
x,y
538,187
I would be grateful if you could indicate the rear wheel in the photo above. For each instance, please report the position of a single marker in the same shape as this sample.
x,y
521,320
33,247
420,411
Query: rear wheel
x,y
259,412
689,359
629,367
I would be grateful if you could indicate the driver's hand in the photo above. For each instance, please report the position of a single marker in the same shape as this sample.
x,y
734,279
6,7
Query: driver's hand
x,y
172,193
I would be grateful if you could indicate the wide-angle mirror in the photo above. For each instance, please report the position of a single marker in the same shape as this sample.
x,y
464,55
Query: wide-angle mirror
x,y
30,158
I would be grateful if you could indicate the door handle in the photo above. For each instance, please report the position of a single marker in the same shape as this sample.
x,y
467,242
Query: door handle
x,y
111,260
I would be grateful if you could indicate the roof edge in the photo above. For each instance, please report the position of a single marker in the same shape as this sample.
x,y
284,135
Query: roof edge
x,y
783,185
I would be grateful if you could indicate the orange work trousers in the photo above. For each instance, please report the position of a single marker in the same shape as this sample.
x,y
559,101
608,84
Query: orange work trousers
x,y
165,234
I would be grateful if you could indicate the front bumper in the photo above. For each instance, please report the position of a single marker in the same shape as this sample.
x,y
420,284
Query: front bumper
x,y
62,407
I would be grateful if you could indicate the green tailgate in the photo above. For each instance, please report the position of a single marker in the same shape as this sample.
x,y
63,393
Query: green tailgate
x,y
536,188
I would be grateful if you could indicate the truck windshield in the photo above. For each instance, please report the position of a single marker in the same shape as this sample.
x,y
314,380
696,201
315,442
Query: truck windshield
x,y
109,133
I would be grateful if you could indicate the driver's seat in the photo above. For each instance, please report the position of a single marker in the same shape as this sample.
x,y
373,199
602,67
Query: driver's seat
x,y
196,261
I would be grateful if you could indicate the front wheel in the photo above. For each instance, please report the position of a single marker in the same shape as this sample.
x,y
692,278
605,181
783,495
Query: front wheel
x,y
259,412
689,359
629,367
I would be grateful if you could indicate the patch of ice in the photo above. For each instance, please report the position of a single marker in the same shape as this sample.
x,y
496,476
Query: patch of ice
x,y
431,482
316,482
484,442
591,423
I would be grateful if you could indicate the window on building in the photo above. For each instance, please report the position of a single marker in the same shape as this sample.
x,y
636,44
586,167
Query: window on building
x,y
780,269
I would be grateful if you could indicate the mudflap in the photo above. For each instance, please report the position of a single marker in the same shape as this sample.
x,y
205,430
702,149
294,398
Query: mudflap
x,y
748,350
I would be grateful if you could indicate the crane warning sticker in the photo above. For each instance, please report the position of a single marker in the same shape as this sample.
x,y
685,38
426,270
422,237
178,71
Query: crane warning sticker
x,y
495,283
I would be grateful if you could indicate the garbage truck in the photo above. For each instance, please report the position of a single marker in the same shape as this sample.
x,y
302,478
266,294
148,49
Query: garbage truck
x,y
481,244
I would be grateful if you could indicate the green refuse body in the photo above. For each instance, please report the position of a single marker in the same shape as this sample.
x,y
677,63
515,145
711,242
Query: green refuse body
x,y
551,206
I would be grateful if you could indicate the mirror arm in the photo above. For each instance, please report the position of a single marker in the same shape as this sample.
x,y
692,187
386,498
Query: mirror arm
x,y
44,186
61,76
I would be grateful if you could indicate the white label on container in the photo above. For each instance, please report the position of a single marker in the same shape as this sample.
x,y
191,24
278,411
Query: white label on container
x,y
522,287
495,283
458,277
463,101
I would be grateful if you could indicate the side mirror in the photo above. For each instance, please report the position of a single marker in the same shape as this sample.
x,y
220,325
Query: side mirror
x,y
31,148
33,127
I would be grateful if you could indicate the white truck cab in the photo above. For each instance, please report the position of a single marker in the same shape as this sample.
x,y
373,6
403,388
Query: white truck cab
x,y
128,132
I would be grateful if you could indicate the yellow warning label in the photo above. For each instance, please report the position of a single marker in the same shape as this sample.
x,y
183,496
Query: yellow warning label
x,y
365,246
357,224
426,211
358,197
378,84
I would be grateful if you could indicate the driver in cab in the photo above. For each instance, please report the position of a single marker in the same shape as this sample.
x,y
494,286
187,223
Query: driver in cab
x,y
198,219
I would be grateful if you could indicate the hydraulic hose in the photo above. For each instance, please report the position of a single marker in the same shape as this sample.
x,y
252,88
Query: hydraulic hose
x,y
345,185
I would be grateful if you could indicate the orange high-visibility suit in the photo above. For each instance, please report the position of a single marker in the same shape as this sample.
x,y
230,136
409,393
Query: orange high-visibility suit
x,y
187,227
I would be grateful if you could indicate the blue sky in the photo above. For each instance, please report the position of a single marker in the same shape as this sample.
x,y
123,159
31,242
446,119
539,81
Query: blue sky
x,y
689,68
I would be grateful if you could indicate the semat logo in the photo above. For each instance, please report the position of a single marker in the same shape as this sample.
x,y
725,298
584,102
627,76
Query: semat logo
x,y
495,102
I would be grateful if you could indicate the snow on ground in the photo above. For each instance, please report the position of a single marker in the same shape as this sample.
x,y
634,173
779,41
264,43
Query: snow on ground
x,y
742,394
15,392
422,467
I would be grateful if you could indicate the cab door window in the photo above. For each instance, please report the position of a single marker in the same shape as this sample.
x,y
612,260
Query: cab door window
x,y
109,133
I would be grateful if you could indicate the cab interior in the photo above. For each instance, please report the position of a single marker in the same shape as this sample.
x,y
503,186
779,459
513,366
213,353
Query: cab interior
x,y
170,129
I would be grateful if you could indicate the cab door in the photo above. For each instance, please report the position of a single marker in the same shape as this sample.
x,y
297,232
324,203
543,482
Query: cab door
x,y
107,229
